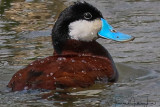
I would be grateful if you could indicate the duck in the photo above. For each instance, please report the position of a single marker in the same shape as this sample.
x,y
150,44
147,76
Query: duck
x,y
78,59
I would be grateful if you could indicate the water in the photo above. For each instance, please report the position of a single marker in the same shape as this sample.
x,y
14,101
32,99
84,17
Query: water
x,y
25,28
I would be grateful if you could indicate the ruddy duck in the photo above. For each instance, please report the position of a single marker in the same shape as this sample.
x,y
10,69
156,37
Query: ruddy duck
x,y
78,59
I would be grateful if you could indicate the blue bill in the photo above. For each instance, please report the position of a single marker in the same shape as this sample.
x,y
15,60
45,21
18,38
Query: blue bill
x,y
108,32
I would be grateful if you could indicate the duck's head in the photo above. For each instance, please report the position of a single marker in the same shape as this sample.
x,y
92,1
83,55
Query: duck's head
x,y
83,22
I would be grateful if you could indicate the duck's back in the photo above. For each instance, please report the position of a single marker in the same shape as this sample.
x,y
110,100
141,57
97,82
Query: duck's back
x,y
62,72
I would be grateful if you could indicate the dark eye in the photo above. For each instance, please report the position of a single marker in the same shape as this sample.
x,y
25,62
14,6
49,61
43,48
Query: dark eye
x,y
87,15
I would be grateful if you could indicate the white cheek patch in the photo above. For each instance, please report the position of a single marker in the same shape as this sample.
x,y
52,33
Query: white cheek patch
x,y
85,30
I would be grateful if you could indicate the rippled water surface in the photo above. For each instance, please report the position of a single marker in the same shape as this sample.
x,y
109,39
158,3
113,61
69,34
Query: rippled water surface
x,y
25,28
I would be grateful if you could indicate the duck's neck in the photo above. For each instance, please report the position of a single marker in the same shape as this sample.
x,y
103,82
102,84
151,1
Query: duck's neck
x,y
74,47
81,48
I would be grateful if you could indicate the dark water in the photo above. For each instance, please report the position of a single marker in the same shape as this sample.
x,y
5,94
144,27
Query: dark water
x,y
25,27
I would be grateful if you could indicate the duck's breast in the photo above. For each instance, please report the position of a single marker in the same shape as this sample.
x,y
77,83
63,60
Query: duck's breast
x,y
62,72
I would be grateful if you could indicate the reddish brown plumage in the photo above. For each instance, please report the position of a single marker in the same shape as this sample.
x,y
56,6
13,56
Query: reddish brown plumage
x,y
70,69
62,72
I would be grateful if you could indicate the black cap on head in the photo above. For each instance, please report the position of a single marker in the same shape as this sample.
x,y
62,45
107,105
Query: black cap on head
x,y
77,11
